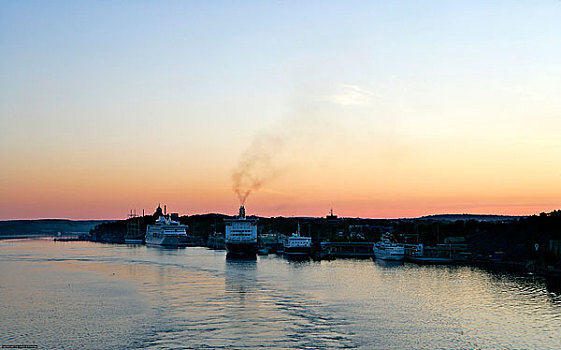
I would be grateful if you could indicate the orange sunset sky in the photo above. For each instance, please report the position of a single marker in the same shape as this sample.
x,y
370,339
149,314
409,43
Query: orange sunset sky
x,y
374,109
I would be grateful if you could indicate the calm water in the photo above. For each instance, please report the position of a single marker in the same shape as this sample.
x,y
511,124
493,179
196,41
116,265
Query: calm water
x,y
81,295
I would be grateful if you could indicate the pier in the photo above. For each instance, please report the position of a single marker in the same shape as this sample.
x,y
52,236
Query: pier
x,y
347,249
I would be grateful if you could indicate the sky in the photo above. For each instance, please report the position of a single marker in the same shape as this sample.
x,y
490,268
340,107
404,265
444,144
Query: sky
x,y
378,109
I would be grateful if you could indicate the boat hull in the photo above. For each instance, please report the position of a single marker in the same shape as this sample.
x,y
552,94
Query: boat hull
x,y
430,260
297,251
168,241
241,248
263,251
389,254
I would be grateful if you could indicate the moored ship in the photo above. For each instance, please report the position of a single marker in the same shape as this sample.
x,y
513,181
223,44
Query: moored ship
x,y
241,235
134,235
297,245
166,232
385,249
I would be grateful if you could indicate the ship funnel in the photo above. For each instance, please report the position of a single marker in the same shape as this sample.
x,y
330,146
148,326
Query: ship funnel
x,y
242,212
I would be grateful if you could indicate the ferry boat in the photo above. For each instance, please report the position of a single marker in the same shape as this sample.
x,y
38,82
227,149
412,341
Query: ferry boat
x,y
166,232
297,245
241,235
385,249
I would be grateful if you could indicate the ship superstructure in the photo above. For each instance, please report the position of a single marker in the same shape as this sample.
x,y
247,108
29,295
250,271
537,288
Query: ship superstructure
x,y
297,245
241,234
166,232
385,249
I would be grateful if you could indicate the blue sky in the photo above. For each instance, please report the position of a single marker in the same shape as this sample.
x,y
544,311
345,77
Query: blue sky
x,y
93,85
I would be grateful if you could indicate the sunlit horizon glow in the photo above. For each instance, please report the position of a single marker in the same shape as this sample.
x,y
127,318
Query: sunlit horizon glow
x,y
374,109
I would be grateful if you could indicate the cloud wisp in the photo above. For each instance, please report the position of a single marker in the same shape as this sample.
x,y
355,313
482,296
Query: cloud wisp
x,y
351,95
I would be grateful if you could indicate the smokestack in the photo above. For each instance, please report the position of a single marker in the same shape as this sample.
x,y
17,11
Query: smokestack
x,y
242,212
165,209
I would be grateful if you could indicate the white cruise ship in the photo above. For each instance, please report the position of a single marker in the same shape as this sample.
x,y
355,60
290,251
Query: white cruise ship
x,y
385,249
166,232
241,235
297,245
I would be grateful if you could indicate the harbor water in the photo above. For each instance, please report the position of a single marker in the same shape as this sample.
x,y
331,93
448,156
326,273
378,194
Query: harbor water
x,y
84,295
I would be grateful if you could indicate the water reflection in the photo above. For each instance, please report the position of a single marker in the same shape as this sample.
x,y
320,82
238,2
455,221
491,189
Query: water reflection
x,y
297,259
388,263
240,276
162,248
239,257
554,285
198,298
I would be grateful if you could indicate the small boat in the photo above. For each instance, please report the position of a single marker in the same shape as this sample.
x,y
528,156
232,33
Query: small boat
x,y
297,245
263,251
385,249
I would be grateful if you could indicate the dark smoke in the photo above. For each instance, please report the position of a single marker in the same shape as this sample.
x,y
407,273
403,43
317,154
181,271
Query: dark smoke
x,y
256,165
307,128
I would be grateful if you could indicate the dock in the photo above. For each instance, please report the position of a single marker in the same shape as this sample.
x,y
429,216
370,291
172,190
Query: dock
x,y
347,249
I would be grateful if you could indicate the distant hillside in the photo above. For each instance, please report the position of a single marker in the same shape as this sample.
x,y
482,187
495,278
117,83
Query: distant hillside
x,y
47,227
466,217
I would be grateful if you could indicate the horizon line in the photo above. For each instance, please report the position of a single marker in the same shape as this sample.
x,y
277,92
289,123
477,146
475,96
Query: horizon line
x,y
311,217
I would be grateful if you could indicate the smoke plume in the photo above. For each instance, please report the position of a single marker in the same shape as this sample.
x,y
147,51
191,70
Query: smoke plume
x,y
308,131
257,165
